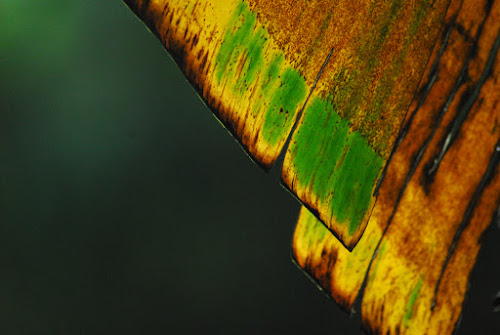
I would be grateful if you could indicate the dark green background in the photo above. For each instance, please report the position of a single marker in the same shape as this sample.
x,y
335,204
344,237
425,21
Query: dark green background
x,y
125,208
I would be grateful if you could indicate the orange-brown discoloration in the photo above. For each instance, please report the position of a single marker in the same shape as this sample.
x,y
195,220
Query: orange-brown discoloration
x,y
431,209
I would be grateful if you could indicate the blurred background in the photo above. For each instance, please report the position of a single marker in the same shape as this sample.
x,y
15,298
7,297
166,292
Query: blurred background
x,y
126,208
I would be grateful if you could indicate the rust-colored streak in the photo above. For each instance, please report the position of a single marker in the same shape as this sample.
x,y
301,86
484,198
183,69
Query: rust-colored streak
x,y
454,283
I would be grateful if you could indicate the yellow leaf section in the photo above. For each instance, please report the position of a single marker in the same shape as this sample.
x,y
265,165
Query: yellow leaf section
x,y
336,270
235,65
439,193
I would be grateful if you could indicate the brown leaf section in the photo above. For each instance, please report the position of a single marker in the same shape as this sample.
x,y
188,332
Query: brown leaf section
x,y
439,194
